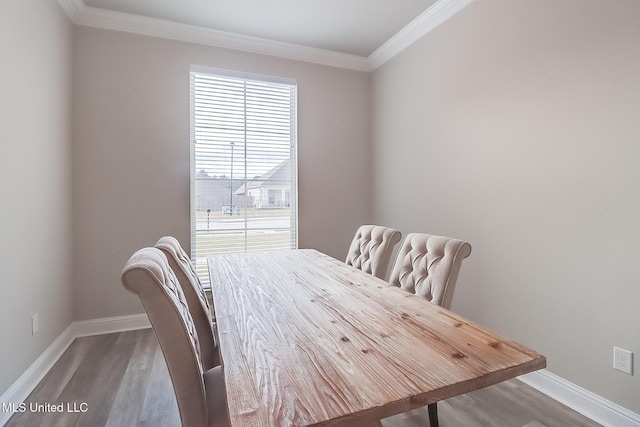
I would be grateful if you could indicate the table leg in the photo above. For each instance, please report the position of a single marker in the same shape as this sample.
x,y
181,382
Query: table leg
x,y
433,414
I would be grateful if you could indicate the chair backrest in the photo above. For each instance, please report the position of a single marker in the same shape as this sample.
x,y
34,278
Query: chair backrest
x,y
371,249
428,266
147,273
199,306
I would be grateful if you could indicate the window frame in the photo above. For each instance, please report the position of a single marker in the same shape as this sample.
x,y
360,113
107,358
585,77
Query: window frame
x,y
293,154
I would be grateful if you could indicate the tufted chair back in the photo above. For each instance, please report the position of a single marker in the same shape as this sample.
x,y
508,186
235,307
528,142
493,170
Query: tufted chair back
x,y
371,249
428,266
147,274
197,301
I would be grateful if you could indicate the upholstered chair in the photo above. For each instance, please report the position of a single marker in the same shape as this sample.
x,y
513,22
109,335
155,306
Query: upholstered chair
x,y
197,300
371,249
428,266
200,393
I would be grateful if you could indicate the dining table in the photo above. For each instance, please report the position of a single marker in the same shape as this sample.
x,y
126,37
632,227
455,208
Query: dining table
x,y
307,340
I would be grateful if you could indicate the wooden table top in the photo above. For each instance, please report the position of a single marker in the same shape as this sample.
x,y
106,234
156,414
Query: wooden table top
x,y
307,340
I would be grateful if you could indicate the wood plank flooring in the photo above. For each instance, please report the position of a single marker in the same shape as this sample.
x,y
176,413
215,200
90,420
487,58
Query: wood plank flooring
x,y
121,380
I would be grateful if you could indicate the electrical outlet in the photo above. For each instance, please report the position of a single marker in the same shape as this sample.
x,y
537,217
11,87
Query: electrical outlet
x,y
34,324
623,360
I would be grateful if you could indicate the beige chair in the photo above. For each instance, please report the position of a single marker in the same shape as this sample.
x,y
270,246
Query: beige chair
x,y
199,306
200,393
371,249
428,266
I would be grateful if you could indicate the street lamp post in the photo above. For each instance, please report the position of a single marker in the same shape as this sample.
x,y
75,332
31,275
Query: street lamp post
x,y
231,186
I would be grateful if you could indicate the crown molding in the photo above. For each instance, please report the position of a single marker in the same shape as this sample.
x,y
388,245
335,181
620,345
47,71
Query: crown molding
x,y
72,8
80,14
427,21
111,20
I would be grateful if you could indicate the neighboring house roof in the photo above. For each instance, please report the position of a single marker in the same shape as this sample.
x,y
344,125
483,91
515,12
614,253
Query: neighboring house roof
x,y
280,174
210,185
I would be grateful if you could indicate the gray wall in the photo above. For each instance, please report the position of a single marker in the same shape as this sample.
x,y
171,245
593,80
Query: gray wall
x,y
131,153
35,180
515,126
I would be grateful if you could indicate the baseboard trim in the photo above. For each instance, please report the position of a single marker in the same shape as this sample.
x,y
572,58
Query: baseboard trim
x,y
110,325
589,404
575,397
22,388
24,385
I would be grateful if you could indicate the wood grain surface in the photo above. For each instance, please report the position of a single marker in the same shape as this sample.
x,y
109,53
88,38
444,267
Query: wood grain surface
x,y
307,340
144,394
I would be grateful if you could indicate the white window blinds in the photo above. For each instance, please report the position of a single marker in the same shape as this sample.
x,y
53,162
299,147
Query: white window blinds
x,y
243,183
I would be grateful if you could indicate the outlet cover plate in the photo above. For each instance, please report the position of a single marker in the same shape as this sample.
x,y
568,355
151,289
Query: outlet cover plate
x,y
623,360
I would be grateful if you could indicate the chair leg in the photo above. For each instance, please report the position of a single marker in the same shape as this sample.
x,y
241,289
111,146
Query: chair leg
x,y
433,414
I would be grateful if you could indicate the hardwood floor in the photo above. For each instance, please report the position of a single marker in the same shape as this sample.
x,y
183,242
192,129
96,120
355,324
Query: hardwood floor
x,y
121,377
121,380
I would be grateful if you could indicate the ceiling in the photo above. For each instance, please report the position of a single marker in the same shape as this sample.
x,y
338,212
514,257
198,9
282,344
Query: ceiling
x,y
354,34
356,27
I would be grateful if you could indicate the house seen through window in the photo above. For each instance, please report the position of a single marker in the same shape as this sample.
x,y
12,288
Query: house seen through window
x,y
243,178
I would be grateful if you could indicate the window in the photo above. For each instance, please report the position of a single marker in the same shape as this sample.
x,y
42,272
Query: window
x,y
243,164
